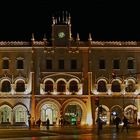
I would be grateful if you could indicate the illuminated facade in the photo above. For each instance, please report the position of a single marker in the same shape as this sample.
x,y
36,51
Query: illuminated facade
x,y
61,78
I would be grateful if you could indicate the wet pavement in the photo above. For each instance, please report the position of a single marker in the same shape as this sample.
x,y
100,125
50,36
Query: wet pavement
x,y
69,133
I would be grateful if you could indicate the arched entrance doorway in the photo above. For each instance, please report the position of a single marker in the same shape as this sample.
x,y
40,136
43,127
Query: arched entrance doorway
x,y
49,111
115,111
131,113
73,114
104,114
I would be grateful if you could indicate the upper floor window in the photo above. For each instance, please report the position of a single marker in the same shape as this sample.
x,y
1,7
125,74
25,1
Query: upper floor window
x,y
61,86
116,64
130,64
73,64
73,86
20,86
116,87
20,64
6,86
48,86
48,64
61,64
130,86
5,64
102,86
102,64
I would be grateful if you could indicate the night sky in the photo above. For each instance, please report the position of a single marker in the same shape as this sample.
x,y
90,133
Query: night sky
x,y
105,19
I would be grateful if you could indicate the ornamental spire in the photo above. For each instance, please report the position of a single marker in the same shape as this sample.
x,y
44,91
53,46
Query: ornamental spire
x,y
61,18
77,38
45,39
89,38
33,39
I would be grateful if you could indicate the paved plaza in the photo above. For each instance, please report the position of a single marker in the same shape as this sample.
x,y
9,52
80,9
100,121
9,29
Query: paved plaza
x,y
68,133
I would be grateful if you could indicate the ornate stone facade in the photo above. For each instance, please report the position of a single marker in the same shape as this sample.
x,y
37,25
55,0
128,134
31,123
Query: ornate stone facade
x,y
60,79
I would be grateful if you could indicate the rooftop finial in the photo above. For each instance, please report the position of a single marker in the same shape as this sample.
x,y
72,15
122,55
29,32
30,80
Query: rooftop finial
x,y
33,41
53,19
66,17
44,38
69,19
63,17
59,19
56,20
32,37
78,38
90,38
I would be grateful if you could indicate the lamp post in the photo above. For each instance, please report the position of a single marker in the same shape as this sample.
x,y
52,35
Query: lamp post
x,y
97,103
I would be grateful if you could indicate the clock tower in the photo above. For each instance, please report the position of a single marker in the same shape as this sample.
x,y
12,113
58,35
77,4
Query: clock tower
x,y
61,30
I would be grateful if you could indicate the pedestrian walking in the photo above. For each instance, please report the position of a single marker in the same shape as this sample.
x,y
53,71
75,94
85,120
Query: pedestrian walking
x,y
29,123
117,122
125,124
38,123
61,122
48,123
99,123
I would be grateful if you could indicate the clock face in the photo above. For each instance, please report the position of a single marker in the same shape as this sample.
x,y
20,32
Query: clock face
x,y
61,34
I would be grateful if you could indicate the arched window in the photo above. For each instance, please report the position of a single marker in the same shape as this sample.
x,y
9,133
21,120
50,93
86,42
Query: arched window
x,y
102,86
6,86
115,86
20,114
73,86
48,86
20,86
61,86
5,114
130,86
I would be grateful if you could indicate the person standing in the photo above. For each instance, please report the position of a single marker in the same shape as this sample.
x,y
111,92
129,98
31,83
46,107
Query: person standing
x,y
125,124
117,122
48,123
39,123
29,123
99,123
